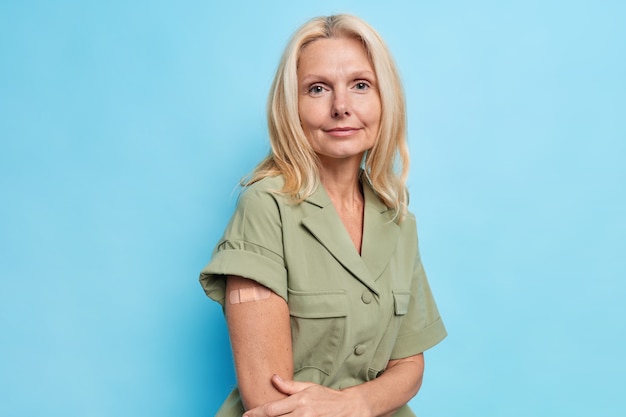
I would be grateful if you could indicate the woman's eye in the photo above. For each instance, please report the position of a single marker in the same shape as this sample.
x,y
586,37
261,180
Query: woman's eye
x,y
361,86
316,89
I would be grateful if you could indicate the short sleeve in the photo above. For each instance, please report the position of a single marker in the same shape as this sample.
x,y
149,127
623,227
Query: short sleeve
x,y
251,247
422,327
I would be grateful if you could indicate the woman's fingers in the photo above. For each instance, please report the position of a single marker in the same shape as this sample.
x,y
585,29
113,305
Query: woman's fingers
x,y
289,387
287,405
272,409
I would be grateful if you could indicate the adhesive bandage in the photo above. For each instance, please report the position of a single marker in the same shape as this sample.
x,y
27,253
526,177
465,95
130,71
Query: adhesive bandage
x,y
243,295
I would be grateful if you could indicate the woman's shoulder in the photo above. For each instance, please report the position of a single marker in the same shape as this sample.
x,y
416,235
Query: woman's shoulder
x,y
410,217
267,184
408,226
264,191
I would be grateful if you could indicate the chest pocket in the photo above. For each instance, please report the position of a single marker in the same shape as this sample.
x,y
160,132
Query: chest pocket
x,y
318,321
401,301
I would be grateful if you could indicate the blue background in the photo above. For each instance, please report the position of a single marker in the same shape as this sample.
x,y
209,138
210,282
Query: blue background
x,y
125,127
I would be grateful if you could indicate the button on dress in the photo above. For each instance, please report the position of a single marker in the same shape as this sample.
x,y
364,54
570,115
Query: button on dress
x,y
350,314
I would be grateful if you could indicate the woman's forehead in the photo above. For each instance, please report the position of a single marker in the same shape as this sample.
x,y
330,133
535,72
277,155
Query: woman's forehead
x,y
334,54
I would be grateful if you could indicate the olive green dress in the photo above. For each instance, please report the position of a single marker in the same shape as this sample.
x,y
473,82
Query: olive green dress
x,y
350,314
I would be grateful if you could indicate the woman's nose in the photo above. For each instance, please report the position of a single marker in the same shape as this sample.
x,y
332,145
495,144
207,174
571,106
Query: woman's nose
x,y
340,105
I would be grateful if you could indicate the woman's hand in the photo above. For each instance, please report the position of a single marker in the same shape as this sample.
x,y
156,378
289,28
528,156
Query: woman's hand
x,y
308,399
380,397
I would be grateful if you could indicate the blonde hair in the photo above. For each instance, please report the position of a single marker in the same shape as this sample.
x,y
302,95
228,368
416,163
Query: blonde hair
x,y
385,165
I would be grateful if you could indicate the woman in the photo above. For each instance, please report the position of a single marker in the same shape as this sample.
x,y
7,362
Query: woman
x,y
327,304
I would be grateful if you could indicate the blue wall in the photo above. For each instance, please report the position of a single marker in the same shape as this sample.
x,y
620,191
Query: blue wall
x,y
124,127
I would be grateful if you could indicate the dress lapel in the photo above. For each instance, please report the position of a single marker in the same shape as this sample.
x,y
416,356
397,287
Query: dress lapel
x,y
380,233
380,236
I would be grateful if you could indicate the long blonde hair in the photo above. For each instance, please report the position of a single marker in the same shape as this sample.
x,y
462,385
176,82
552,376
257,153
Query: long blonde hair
x,y
385,166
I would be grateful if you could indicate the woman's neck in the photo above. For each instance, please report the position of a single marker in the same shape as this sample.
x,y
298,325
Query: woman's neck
x,y
342,183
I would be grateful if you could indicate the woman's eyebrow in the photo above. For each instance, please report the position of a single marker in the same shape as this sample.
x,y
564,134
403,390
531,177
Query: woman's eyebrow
x,y
363,74
359,74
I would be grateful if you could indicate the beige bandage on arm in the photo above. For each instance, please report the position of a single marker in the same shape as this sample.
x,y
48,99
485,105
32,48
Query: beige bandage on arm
x,y
243,295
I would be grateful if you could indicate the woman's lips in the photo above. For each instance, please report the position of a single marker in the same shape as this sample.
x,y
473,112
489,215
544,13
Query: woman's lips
x,y
342,131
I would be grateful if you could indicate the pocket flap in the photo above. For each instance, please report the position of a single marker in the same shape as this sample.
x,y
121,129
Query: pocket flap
x,y
401,300
319,304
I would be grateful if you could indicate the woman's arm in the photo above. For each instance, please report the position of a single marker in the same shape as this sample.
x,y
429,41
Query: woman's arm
x,y
377,398
260,336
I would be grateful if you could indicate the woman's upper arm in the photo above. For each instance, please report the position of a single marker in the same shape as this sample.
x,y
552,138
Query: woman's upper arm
x,y
260,334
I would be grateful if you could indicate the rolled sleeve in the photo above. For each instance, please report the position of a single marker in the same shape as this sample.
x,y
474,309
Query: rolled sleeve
x,y
251,247
414,343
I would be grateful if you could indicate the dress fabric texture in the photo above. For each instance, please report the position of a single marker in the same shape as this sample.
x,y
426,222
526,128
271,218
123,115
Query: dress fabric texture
x,y
350,314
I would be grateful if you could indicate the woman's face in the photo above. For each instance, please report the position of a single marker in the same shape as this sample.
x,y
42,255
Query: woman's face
x,y
338,99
